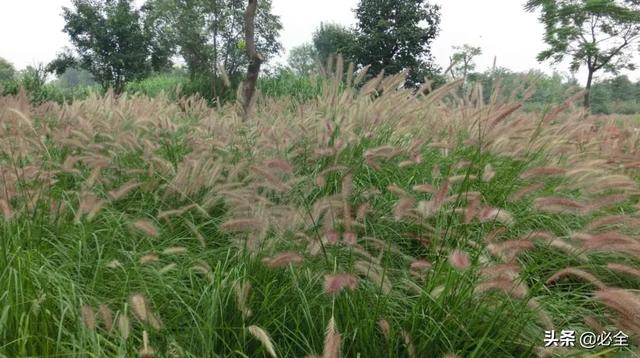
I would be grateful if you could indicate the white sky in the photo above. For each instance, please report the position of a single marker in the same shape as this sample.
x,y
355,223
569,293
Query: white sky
x,y
32,29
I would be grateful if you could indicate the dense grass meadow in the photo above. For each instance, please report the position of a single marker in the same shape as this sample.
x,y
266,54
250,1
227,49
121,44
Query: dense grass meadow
x,y
369,221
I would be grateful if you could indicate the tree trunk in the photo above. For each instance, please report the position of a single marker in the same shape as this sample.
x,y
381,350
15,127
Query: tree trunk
x,y
215,49
587,95
255,59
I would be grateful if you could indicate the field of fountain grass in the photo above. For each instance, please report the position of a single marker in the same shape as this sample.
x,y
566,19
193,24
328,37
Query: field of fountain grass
x,y
373,222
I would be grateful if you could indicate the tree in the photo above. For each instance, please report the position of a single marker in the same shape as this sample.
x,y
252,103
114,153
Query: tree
x,y
7,71
396,35
32,78
303,59
332,39
461,62
108,40
597,34
208,33
161,38
254,57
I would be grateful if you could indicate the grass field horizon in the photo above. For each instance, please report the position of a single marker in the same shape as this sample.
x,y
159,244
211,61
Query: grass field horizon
x,y
372,221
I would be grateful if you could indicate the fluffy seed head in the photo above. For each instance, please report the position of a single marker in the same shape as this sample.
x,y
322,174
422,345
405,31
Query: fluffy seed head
x,y
542,171
143,312
385,327
425,188
246,224
558,205
283,259
500,215
146,351
332,341
335,283
174,250
113,264
242,290
125,189
147,259
264,338
88,317
622,301
420,265
629,270
5,208
572,271
459,260
146,227
411,349
518,195
106,315
124,326
503,284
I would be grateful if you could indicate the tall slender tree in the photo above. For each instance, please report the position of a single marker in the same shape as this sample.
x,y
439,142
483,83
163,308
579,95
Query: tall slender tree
x,y
255,58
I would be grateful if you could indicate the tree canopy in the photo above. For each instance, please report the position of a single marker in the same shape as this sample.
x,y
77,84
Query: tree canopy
x,y
596,34
396,35
7,71
332,39
303,59
462,61
207,33
108,40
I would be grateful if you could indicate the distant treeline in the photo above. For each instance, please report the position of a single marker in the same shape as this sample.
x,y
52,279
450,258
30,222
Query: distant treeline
x,y
617,95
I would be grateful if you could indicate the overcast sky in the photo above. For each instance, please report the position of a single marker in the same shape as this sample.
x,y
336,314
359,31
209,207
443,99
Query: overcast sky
x,y
32,29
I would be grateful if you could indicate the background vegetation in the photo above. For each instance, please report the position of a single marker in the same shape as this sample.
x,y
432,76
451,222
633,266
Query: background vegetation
x,y
364,221
378,207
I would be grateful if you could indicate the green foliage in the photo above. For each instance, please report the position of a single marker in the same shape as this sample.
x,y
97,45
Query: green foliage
x,y
597,34
109,41
64,60
616,95
547,90
304,59
285,83
7,71
332,39
71,252
153,86
278,84
461,62
209,32
396,35
177,85
33,78
33,81
160,37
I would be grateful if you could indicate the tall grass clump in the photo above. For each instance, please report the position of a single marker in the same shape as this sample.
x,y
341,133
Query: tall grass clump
x,y
370,220
286,84
177,85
